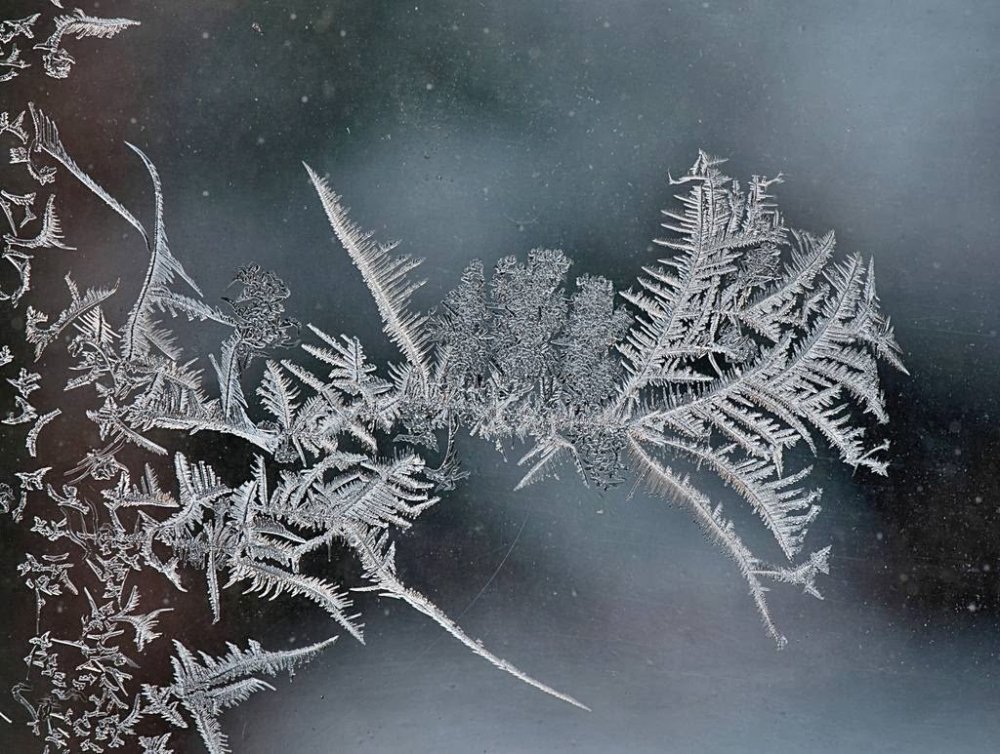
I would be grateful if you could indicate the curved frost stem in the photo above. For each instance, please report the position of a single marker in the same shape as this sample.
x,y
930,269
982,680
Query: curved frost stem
x,y
389,584
420,603
785,510
719,529
160,272
47,139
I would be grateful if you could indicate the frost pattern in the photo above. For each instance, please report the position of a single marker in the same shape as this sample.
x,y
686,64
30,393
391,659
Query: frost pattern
x,y
56,60
745,341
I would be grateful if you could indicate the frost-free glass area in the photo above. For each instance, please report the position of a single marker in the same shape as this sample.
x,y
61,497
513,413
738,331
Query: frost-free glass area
x,y
585,454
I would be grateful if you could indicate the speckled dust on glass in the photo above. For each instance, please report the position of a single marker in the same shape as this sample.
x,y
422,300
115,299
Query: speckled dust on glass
x,y
747,339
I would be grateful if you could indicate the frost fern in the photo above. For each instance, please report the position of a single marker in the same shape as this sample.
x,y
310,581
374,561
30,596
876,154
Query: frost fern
x,y
744,344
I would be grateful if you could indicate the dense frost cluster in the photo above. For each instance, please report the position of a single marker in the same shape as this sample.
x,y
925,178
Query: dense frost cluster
x,y
746,340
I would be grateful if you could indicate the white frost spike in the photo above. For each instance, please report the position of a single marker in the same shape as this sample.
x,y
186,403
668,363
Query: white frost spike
x,y
18,27
804,574
40,422
139,333
385,274
14,62
278,395
47,139
14,127
58,61
143,623
377,561
208,685
720,530
227,371
80,25
30,481
155,744
79,308
25,383
49,236
8,201
25,412
270,581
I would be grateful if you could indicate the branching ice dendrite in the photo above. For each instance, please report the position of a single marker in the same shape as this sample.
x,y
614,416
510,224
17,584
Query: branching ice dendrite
x,y
745,341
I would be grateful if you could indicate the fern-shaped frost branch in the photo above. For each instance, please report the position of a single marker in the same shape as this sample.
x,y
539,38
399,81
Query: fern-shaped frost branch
x,y
386,276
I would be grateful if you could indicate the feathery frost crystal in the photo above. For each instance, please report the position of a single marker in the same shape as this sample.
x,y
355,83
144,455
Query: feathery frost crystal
x,y
746,340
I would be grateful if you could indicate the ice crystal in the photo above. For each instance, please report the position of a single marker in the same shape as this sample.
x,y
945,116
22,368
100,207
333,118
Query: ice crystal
x,y
745,340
